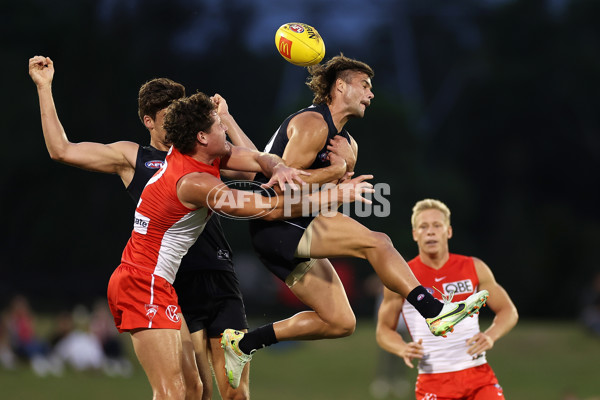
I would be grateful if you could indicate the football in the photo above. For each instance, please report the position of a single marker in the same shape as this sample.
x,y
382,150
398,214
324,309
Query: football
x,y
300,44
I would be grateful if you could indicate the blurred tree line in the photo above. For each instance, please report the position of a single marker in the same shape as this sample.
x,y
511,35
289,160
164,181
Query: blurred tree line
x,y
490,107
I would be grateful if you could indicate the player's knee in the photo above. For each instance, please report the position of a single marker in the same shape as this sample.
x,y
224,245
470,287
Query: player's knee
x,y
175,389
195,390
239,394
350,326
380,241
345,325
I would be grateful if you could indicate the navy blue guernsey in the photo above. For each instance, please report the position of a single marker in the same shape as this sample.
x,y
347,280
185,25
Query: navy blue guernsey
x,y
280,139
211,250
275,242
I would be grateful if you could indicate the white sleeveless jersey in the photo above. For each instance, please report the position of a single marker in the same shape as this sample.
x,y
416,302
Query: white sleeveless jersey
x,y
164,229
447,354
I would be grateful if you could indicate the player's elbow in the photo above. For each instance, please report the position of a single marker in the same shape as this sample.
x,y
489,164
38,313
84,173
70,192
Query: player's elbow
x,y
58,154
515,315
379,337
58,157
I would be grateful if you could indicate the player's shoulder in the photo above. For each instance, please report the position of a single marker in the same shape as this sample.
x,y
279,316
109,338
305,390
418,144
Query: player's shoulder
x,y
309,124
126,145
308,117
460,257
466,258
128,149
479,263
199,179
481,268
196,187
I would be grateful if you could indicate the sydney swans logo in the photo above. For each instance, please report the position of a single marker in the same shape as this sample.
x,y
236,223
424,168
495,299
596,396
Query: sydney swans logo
x,y
233,195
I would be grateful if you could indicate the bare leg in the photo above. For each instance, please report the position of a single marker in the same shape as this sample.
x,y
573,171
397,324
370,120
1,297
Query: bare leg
x,y
194,382
321,289
201,351
218,362
342,236
160,354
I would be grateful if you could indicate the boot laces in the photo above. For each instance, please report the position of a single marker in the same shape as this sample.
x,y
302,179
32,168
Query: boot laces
x,y
446,297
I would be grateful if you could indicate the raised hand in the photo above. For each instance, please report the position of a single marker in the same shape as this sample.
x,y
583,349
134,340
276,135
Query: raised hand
x,y
219,101
41,70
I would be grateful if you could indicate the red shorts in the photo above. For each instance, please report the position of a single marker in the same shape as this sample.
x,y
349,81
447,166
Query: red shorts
x,y
139,299
477,383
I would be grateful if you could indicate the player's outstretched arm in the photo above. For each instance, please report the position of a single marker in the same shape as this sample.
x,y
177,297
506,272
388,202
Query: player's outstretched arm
x,y
243,159
386,335
235,134
198,189
117,158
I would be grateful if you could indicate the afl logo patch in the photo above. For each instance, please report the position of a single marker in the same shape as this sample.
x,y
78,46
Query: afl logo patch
x,y
296,28
323,156
154,164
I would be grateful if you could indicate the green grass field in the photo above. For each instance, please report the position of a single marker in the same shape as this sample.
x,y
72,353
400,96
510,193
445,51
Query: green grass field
x,y
537,360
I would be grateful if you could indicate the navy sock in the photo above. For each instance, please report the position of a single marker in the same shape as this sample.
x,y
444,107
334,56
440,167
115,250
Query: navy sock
x,y
258,338
427,305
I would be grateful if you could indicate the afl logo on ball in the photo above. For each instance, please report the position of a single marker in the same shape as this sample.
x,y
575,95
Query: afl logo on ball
x,y
296,28
154,164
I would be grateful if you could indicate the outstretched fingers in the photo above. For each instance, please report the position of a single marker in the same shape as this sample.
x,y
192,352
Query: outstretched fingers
x,y
286,176
353,189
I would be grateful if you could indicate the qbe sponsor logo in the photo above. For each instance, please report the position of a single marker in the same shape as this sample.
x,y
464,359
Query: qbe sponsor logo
x,y
459,287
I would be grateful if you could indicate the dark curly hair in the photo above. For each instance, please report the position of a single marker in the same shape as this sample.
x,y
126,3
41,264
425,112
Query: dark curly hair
x,y
323,76
185,118
157,94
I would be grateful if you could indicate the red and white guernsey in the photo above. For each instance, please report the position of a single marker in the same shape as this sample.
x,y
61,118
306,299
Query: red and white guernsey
x,y
448,354
164,229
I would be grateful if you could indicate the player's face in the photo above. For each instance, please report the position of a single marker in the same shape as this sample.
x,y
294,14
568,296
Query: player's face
x,y
157,131
358,94
432,232
217,136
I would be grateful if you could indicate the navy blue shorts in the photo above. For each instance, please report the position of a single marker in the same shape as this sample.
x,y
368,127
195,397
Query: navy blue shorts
x,y
275,243
211,300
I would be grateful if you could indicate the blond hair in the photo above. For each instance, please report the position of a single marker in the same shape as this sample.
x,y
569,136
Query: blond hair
x,y
429,204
